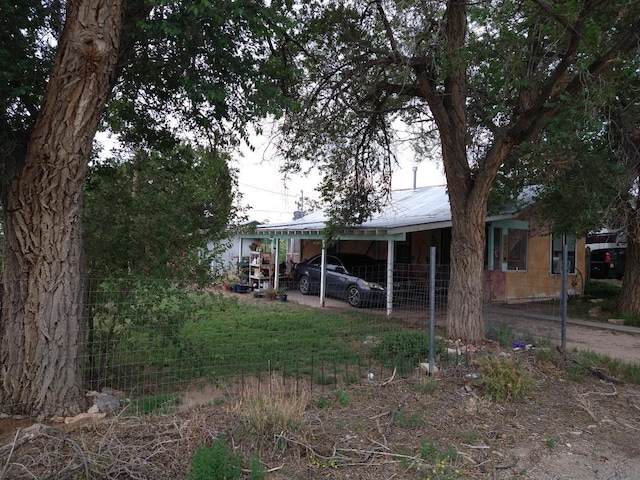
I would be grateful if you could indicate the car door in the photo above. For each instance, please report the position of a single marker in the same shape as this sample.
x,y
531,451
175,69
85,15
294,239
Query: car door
x,y
314,272
337,277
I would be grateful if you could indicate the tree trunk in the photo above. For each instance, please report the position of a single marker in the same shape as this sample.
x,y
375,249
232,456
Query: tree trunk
x,y
465,296
629,301
42,330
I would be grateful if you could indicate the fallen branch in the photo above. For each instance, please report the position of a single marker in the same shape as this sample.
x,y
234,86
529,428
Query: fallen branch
x,y
506,466
391,378
607,394
13,445
594,370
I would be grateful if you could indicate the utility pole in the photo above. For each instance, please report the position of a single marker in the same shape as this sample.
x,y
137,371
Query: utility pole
x,y
302,203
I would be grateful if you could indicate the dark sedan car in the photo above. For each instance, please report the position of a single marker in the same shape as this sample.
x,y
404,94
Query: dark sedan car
x,y
358,279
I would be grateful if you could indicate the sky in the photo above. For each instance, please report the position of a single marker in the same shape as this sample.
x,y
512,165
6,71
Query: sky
x,y
270,199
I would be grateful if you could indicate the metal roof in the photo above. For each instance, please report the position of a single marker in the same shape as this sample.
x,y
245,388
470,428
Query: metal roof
x,y
425,208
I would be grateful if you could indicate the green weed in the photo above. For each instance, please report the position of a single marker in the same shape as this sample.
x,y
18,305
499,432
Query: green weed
x,y
343,398
258,472
215,461
323,402
503,378
157,404
403,350
442,461
501,333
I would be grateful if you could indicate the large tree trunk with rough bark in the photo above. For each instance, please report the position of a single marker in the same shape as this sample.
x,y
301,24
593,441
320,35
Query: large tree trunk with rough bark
x,y
468,194
42,330
629,301
629,136
465,296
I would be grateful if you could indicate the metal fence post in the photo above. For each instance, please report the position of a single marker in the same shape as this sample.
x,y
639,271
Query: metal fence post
x,y
432,306
563,302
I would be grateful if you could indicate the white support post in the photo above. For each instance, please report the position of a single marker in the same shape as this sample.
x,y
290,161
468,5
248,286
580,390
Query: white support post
x,y
323,273
276,267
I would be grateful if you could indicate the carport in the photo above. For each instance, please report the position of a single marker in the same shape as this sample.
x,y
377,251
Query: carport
x,y
418,210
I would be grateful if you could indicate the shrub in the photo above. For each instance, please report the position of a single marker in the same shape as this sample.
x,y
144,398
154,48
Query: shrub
x,y
503,378
604,290
215,461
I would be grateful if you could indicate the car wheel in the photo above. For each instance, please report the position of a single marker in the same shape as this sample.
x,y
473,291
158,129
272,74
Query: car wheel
x,y
354,297
304,285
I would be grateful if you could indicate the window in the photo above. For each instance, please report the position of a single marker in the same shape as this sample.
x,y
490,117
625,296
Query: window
x,y
556,253
516,249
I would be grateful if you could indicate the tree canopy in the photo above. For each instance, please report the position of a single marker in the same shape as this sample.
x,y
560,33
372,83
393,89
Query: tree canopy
x,y
154,216
478,78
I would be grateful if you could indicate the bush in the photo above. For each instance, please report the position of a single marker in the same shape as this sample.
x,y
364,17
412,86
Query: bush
x,y
144,316
605,290
216,461
503,378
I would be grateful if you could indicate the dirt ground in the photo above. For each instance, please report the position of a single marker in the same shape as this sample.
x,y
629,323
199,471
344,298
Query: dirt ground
x,y
413,428
394,428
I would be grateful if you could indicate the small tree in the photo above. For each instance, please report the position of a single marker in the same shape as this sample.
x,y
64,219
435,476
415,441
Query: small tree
x,y
153,216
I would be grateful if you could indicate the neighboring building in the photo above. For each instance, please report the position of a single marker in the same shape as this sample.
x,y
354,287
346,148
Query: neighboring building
x,y
522,258
606,253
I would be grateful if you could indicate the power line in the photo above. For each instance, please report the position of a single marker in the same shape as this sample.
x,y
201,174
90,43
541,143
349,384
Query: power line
x,y
268,191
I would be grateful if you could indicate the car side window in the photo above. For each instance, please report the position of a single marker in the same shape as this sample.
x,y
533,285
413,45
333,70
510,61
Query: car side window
x,y
316,262
334,264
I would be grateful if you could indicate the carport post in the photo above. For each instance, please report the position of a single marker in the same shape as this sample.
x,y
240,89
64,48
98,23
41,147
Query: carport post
x,y
390,260
323,273
276,266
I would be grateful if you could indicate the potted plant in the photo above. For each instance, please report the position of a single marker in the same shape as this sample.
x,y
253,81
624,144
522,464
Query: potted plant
x,y
272,294
229,280
282,293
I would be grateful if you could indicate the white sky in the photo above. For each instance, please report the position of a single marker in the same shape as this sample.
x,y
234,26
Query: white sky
x,y
270,199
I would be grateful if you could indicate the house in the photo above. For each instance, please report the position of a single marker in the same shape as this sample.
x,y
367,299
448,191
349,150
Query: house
x,y
522,257
235,255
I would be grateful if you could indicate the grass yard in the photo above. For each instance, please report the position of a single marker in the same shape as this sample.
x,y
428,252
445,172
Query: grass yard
x,y
214,337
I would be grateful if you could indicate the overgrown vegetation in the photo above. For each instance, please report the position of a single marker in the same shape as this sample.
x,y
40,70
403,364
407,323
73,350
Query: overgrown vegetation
x,y
404,350
603,296
271,410
148,337
215,461
504,378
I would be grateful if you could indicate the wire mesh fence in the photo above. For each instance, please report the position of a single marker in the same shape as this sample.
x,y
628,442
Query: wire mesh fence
x,y
151,339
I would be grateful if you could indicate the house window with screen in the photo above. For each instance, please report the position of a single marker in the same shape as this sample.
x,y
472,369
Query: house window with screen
x,y
556,254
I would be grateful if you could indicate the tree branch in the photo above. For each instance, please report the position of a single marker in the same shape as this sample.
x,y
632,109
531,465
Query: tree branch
x,y
387,27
